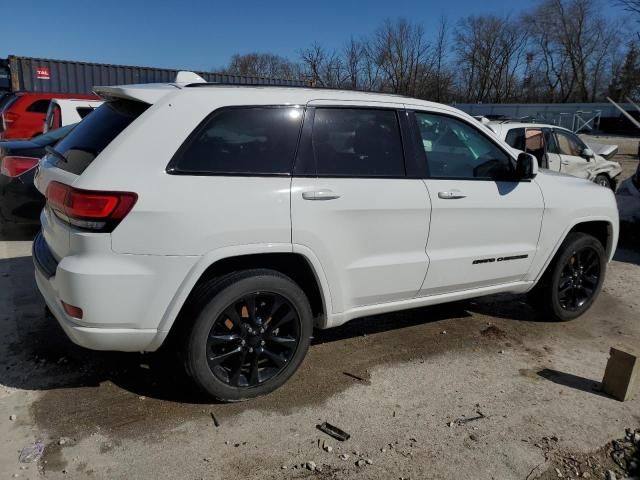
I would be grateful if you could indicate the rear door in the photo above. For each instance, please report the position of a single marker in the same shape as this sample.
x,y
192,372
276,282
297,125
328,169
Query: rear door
x,y
75,153
355,209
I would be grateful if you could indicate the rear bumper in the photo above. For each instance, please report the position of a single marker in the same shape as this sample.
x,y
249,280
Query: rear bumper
x,y
120,339
123,297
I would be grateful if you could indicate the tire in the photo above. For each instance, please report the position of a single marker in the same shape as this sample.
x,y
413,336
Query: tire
x,y
251,332
602,180
554,294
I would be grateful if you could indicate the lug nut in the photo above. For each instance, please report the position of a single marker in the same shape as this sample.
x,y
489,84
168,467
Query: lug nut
x,y
261,342
250,349
242,342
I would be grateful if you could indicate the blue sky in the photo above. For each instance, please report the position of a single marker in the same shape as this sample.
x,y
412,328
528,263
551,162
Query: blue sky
x,y
203,35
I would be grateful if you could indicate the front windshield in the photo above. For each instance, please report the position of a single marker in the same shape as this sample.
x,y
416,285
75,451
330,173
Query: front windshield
x,y
53,136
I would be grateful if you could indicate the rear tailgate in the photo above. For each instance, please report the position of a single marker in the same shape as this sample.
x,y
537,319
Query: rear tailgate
x,y
75,153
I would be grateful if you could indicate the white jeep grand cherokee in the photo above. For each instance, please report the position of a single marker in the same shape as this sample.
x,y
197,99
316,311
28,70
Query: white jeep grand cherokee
x,y
236,219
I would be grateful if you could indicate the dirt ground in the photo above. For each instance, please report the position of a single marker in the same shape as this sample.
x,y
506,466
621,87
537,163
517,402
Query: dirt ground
x,y
483,389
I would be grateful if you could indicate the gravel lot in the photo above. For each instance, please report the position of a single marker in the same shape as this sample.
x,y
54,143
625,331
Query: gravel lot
x,y
406,386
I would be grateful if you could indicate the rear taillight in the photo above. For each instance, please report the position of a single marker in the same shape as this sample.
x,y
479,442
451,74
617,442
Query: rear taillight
x,y
88,209
8,118
13,166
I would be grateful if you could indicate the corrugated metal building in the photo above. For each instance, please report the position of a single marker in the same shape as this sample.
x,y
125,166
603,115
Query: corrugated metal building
x,y
65,76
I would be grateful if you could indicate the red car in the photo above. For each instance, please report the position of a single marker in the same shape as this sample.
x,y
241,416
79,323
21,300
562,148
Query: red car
x,y
22,116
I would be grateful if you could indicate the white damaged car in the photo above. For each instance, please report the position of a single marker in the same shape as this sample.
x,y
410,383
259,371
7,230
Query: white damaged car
x,y
560,150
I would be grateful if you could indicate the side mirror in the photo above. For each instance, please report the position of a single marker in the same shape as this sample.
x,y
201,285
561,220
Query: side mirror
x,y
526,166
588,153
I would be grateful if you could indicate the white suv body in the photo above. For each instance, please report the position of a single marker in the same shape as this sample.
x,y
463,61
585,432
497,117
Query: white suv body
x,y
349,209
559,150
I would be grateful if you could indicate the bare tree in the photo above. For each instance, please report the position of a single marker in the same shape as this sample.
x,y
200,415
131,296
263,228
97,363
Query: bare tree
x,y
262,65
439,56
632,6
575,44
490,51
400,49
322,67
626,77
558,50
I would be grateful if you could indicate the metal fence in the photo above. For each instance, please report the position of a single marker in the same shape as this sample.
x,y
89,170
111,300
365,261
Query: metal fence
x,y
574,116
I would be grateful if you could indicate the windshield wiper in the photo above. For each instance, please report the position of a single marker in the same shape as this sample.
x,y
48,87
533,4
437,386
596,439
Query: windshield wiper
x,y
51,151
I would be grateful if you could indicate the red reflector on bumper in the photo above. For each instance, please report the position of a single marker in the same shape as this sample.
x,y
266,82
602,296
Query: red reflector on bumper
x,y
75,312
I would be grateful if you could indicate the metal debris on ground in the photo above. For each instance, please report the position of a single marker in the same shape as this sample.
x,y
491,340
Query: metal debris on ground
x,y
333,431
463,420
215,420
32,453
354,376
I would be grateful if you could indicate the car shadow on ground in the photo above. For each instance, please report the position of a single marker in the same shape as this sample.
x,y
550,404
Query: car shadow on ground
x,y
18,233
35,354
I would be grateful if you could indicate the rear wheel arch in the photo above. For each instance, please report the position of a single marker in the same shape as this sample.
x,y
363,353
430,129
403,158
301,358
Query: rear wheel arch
x,y
292,265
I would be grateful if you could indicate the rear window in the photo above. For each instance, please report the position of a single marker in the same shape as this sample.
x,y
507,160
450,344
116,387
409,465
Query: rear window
x,y
84,111
357,143
39,106
93,134
243,140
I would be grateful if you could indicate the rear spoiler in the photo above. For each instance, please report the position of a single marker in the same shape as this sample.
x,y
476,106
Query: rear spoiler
x,y
147,92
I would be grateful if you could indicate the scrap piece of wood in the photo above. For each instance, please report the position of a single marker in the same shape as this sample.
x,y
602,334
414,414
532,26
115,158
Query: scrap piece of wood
x,y
622,375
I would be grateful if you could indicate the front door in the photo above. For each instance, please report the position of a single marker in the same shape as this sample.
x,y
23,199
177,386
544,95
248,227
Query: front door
x,y
570,148
354,208
484,225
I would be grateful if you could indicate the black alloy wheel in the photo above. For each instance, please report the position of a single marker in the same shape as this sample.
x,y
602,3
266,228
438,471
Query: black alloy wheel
x,y
253,339
573,280
251,331
579,279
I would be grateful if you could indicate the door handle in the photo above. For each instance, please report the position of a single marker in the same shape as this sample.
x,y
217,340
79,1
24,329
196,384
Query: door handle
x,y
565,162
320,195
451,195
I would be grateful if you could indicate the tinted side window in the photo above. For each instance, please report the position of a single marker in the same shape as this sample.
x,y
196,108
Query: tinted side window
x,y
454,149
96,132
357,142
39,106
516,138
251,140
